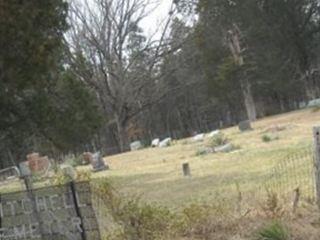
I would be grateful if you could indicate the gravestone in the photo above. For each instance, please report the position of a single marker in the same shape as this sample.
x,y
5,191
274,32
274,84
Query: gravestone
x,y
38,164
24,169
214,133
224,148
314,103
165,143
198,138
186,170
134,146
97,163
245,126
52,213
155,142
9,174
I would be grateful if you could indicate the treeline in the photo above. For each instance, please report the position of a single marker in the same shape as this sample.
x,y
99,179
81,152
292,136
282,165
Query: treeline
x,y
86,77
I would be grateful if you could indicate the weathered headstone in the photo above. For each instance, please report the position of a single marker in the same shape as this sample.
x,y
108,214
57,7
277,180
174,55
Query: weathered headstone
x,y
245,126
97,163
38,164
165,143
134,146
155,142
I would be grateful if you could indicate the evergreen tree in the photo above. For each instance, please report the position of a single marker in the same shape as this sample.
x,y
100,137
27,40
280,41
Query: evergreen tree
x,y
38,100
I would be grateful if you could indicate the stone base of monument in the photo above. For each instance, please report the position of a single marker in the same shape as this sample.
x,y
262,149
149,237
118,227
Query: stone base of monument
x,y
245,126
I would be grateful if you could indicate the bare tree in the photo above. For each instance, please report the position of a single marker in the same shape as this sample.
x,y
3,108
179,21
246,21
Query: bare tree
x,y
126,81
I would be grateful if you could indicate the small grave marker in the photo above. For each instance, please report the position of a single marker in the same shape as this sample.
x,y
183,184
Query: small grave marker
x,y
186,170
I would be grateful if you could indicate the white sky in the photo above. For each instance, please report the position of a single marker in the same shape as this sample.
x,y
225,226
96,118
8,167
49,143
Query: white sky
x,y
151,23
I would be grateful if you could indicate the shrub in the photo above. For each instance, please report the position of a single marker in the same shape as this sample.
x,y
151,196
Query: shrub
x,y
269,138
218,140
266,138
275,231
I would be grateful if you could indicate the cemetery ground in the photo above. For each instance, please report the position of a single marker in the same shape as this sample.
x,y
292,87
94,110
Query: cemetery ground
x,y
248,193
156,173
238,195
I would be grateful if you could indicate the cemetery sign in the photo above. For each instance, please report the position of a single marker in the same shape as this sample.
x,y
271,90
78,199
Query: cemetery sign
x,y
60,212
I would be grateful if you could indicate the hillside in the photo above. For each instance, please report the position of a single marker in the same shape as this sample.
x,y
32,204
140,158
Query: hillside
x,y
155,174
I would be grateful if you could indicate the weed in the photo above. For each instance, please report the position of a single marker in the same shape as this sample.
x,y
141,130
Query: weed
x,y
272,206
74,161
316,109
83,175
275,231
139,221
60,178
266,138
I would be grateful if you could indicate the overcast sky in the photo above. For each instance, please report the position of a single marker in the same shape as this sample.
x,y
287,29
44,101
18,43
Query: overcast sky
x,y
151,23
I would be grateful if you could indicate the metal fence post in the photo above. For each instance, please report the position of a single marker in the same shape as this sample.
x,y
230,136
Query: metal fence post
x,y
77,209
316,138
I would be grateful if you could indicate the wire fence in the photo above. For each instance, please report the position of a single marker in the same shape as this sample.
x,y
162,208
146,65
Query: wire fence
x,y
282,172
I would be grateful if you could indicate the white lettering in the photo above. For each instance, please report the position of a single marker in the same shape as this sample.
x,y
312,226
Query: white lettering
x,y
41,204
12,209
54,202
79,203
76,222
67,197
24,206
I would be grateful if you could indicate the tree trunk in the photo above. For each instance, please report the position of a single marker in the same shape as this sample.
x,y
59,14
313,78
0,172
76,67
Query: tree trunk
x,y
248,100
123,139
309,86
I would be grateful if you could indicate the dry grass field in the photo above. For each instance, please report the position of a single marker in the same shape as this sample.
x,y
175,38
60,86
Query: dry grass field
x,y
216,183
155,174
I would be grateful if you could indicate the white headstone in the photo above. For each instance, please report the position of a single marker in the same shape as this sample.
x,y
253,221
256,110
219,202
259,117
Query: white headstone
x,y
155,142
314,103
198,138
214,133
225,148
135,146
165,143
25,169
